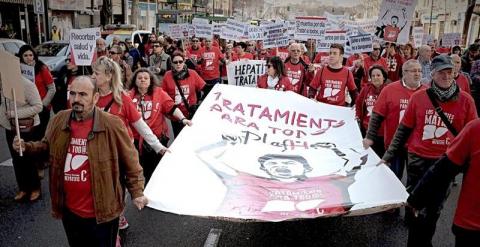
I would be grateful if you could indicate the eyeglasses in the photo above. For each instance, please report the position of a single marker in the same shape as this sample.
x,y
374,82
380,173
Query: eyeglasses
x,y
414,70
113,53
251,45
376,49
177,62
195,41
296,51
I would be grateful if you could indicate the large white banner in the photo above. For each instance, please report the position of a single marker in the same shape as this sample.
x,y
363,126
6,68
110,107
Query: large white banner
x,y
245,73
271,156
310,27
393,24
83,43
276,35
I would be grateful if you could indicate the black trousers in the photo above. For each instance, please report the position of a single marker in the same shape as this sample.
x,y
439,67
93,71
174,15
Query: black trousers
x,y
86,232
464,237
177,126
421,228
44,118
149,159
24,167
209,85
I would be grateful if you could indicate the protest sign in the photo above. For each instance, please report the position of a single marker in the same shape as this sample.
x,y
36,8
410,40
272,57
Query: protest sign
x,y
28,71
331,37
256,33
310,27
451,39
203,29
291,25
268,155
178,31
245,73
393,24
361,43
10,76
217,28
83,44
418,36
235,30
427,39
276,35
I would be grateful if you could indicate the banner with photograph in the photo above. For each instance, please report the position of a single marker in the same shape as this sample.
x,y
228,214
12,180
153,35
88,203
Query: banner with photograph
x,y
245,73
83,44
268,155
393,24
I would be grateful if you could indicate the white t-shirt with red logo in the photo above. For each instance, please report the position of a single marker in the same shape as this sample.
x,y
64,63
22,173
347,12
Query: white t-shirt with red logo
x,y
430,137
77,177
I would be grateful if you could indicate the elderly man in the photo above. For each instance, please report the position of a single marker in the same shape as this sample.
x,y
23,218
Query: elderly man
x,y
389,110
92,160
159,62
101,48
424,58
116,53
463,79
432,119
298,71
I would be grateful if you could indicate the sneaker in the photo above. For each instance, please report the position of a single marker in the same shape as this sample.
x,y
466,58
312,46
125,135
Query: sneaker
x,y
122,223
117,243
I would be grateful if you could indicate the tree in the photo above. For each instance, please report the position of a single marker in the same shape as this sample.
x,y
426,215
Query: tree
x,y
468,16
135,12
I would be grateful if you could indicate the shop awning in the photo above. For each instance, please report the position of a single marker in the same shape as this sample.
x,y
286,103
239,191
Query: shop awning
x,y
30,2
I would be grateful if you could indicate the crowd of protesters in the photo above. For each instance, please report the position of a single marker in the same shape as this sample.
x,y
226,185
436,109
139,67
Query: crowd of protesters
x,y
395,89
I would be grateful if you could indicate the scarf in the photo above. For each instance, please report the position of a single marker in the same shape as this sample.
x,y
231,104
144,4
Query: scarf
x,y
445,94
272,82
180,75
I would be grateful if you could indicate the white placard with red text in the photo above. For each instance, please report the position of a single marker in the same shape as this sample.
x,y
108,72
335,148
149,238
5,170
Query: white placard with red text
x,y
269,155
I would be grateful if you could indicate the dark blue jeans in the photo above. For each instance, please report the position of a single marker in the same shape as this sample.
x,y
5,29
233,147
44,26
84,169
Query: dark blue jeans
x,y
209,85
86,232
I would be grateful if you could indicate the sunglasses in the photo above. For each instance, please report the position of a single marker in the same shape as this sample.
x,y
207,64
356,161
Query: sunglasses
x,y
376,49
177,62
296,51
195,41
156,46
113,53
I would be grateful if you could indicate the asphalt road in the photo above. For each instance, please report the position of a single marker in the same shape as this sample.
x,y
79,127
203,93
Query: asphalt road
x,y
30,224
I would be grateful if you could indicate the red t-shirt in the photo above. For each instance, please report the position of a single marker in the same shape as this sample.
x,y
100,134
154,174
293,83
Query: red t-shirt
x,y
395,64
391,33
42,80
190,86
211,63
153,109
195,54
430,136
369,62
331,84
127,112
321,57
246,56
465,149
364,104
77,183
296,74
463,83
391,104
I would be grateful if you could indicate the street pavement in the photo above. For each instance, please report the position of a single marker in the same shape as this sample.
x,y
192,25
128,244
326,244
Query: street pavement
x,y
30,224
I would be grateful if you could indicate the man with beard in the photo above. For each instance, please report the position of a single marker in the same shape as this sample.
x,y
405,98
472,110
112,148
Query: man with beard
x,y
92,160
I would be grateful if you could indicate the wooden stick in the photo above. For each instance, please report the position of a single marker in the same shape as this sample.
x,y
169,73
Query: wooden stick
x,y
17,128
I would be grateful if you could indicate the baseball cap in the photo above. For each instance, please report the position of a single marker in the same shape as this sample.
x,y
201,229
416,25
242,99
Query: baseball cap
x,y
441,62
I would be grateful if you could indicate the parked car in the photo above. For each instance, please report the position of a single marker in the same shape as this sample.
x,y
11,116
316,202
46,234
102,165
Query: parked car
x,y
11,45
54,55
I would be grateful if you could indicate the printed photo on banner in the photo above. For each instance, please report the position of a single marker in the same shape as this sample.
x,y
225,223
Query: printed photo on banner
x,y
266,155
83,44
393,23
245,73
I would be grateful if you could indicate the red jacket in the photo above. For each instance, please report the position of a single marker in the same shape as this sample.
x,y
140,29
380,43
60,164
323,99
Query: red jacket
x,y
282,85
